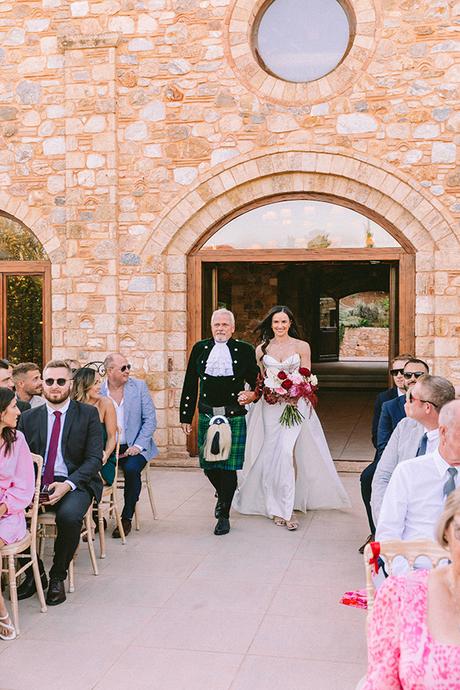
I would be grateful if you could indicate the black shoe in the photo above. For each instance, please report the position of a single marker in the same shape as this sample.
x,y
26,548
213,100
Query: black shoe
x,y
126,529
56,593
218,509
222,527
370,538
27,588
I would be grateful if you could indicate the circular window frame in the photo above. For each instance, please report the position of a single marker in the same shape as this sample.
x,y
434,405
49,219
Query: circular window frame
x,y
350,16
243,20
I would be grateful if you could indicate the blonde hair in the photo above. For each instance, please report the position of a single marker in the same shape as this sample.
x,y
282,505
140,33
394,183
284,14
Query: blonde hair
x,y
451,508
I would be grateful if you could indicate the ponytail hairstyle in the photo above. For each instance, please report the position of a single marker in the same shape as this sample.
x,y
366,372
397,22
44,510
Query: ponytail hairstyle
x,y
264,328
8,434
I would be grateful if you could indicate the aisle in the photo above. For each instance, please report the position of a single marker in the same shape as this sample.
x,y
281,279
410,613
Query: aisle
x,y
180,609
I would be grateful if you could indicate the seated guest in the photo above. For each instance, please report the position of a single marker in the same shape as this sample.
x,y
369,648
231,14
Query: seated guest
x,y
414,628
393,410
136,420
416,492
416,434
6,381
86,388
28,383
68,435
17,484
398,389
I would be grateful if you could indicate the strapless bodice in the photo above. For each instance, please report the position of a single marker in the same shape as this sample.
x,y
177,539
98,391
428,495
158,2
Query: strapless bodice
x,y
289,364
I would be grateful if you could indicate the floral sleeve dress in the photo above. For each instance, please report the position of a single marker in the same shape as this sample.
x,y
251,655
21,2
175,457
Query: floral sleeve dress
x,y
402,653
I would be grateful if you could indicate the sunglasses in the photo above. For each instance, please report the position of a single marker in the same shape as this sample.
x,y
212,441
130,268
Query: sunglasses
x,y
396,372
413,374
125,367
60,382
410,398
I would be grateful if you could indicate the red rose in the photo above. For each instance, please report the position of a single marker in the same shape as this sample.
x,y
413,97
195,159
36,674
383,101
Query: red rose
x,y
282,375
303,371
286,384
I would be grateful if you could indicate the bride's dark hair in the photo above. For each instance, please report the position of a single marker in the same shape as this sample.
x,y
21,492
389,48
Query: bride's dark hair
x,y
265,330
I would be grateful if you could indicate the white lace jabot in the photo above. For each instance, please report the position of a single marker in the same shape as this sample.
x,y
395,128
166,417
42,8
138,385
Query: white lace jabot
x,y
219,361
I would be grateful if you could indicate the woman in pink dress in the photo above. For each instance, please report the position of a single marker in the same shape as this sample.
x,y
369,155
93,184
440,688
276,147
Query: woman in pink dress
x,y
414,629
17,484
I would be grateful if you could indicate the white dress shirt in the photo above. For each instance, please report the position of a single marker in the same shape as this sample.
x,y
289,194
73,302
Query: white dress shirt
x,y
60,468
432,440
120,410
414,499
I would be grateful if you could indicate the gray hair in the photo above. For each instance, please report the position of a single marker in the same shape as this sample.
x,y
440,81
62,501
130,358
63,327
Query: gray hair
x,y
224,311
450,414
437,390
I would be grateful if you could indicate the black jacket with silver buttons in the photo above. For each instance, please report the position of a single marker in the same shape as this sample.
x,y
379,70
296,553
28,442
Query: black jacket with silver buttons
x,y
217,391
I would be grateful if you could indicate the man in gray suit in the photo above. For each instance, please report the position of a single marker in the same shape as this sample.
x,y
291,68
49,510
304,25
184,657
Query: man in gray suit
x,y
415,435
137,421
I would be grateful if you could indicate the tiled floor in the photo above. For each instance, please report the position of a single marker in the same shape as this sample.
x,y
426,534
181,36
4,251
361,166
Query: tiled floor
x,y
180,609
346,417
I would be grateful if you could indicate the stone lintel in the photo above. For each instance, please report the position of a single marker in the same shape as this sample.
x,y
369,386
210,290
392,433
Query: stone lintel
x,y
87,42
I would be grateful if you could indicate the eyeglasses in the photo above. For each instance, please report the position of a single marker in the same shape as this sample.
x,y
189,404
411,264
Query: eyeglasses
x,y
413,374
60,382
410,398
125,367
396,372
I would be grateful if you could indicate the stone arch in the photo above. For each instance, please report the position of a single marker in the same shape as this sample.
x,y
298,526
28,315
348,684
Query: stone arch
x,y
405,208
33,219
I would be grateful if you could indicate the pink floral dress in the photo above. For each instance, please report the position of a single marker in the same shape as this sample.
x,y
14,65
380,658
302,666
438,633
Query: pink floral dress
x,y
17,484
402,653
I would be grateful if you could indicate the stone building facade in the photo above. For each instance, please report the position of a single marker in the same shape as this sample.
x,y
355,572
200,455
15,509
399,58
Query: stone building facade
x,y
131,128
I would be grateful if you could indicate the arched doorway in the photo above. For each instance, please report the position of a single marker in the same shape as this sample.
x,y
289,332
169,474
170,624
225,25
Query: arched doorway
x,y
309,251
25,281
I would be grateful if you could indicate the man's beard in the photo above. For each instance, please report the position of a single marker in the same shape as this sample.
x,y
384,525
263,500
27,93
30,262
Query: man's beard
x,y
56,398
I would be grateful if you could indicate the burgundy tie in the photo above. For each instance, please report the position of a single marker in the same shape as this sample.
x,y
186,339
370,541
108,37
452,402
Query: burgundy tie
x,y
48,474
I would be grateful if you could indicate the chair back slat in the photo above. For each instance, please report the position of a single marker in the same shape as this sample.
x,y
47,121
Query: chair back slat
x,y
409,550
33,513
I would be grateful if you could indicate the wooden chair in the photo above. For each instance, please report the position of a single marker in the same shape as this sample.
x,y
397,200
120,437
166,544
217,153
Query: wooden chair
x,y
108,505
17,549
47,529
409,550
145,479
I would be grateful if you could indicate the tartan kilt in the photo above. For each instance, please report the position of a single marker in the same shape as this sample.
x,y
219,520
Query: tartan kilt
x,y
236,459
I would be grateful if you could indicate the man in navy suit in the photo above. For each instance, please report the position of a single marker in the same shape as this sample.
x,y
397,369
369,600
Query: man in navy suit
x,y
137,421
396,392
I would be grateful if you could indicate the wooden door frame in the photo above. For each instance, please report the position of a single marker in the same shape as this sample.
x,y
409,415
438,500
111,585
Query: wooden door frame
x,y
38,268
406,286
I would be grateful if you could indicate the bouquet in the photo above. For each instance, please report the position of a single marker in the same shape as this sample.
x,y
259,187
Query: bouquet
x,y
290,388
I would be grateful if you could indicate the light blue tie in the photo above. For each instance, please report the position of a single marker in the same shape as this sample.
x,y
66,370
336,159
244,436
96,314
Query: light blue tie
x,y
449,486
423,443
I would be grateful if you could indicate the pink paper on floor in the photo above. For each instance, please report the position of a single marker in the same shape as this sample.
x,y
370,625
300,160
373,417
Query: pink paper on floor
x,y
356,598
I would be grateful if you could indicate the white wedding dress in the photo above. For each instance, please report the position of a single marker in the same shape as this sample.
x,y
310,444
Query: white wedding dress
x,y
286,468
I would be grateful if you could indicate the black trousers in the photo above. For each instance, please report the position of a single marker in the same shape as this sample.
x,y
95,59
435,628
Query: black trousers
x,y
367,475
132,466
70,511
225,483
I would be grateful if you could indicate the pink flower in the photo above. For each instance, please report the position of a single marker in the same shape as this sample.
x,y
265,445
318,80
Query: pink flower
x,y
280,391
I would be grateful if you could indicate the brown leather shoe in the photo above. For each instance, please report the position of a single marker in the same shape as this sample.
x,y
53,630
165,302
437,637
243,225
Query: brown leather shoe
x,y
126,528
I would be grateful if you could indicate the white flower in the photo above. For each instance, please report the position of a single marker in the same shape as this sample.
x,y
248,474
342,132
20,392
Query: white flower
x,y
314,380
296,378
271,382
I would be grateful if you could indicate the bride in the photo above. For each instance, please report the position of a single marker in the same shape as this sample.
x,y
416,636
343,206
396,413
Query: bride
x,y
286,468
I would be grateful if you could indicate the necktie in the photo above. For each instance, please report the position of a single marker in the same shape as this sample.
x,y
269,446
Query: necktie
x,y
423,443
48,474
450,484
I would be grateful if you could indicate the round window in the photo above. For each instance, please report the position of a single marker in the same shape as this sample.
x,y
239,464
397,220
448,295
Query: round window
x,y
301,40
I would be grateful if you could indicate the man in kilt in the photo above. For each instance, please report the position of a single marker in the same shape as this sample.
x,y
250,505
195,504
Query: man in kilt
x,y
222,365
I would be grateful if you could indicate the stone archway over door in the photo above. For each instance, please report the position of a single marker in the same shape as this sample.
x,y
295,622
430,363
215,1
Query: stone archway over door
x,y
398,203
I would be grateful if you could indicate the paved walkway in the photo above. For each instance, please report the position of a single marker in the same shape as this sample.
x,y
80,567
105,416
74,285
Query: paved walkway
x,y
180,609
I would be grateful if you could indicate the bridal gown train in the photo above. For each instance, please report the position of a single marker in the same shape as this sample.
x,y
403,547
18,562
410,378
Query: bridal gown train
x,y
286,469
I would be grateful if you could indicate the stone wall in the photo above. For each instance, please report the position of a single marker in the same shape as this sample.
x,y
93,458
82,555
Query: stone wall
x,y
130,127
364,343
